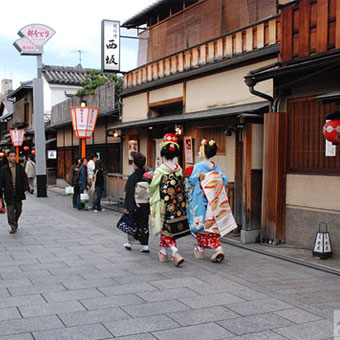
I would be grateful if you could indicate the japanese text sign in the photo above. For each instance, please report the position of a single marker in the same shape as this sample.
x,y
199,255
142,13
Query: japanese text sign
x,y
84,120
37,34
17,137
110,45
25,47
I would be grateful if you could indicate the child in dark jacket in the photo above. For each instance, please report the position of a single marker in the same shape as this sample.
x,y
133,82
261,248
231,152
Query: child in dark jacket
x,y
137,205
99,186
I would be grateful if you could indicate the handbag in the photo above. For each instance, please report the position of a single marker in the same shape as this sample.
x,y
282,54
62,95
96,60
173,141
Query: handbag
x,y
69,191
84,197
2,207
126,225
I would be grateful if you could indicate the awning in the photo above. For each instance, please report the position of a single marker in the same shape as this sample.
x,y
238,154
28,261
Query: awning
x,y
329,96
198,115
5,142
6,117
49,141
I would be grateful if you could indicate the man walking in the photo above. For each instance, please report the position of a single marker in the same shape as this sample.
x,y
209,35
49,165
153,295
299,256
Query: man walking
x,y
14,186
30,172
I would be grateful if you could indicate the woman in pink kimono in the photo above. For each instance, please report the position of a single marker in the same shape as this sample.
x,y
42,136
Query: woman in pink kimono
x,y
210,216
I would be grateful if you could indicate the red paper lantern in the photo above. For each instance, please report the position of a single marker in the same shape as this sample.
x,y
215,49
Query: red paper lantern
x,y
26,148
331,131
33,152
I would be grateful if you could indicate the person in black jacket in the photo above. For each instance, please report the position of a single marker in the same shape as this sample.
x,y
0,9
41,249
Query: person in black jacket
x,y
99,186
14,186
140,210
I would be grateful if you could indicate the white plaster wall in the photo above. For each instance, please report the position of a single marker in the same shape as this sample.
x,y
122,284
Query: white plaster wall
x,y
135,107
165,93
313,191
257,147
224,89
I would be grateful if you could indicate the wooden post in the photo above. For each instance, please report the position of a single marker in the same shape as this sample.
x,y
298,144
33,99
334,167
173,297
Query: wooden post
x,y
274,176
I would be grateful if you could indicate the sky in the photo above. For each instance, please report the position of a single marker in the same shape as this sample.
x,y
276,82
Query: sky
x,y
78,27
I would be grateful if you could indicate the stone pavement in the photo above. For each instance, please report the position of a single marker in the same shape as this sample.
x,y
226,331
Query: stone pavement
x,y
65,275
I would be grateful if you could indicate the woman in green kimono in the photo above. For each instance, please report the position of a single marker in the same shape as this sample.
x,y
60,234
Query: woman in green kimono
x,y
168,201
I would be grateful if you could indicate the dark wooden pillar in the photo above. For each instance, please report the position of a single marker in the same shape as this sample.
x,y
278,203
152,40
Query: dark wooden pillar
x,y
246,197
274,177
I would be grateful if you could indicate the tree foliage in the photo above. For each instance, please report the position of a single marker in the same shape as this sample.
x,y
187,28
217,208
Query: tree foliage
x,y
94,79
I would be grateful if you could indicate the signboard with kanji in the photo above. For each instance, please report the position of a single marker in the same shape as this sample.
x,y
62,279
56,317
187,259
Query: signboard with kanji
x,y
37,34
110,46
84,120
17,137
25,47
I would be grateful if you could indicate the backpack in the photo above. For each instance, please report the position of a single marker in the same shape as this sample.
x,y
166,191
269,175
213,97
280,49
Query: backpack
x,y
142,195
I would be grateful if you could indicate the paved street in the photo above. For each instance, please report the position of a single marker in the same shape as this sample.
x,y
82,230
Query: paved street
x,y
65,275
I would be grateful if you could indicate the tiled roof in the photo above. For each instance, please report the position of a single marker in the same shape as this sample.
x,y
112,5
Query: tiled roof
x,y
64,75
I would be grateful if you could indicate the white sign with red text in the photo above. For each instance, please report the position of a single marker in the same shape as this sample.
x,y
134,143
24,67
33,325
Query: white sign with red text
x,y
84,120
37,34
17,137
25,47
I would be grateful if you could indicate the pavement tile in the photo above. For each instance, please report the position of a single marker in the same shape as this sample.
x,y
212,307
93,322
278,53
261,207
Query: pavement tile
x,y
15,283
51,308
266,335
27,325
39,289
155,308
167,294
25,336
136,288
144,336
93,316
258,306
9,313
140,325
198,316
254,323
4,293
298,315
55,279
317,330
86,269
139,278
179,282
90,332
73,295
111,301
94,283
206,331
211,300
21,301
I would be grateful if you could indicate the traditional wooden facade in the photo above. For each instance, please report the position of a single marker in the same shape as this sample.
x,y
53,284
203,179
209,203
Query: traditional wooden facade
x,y
68,144
197,90
301,174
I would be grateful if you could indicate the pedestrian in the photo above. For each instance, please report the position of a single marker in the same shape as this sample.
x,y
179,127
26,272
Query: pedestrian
x,y
82,181
30,172
72,180
168,201
98,186
91,167
209,214
137,202
14,188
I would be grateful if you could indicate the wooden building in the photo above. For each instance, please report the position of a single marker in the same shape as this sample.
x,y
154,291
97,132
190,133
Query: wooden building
x,y
301,172
68,145
193,59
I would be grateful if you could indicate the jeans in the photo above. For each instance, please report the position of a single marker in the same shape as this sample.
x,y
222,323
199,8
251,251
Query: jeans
x,y
96,202
81,191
